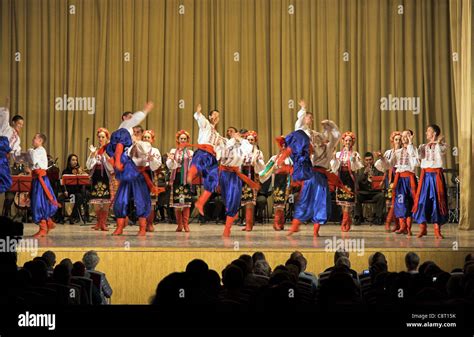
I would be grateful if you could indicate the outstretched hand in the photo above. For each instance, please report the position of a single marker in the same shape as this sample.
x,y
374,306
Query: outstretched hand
x,y
199,108
302,104
148,106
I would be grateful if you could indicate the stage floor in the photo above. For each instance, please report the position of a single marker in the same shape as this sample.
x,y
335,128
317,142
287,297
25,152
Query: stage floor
x,y
263,236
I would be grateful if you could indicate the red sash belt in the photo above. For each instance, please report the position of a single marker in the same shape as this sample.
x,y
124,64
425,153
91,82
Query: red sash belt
x,y
286,169
283,155
39,174
406,174
205,147
153,189
253,184
332,178
440,193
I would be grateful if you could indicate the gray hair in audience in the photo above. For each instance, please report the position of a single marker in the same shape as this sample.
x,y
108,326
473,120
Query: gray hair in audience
x,y
91,259
261,267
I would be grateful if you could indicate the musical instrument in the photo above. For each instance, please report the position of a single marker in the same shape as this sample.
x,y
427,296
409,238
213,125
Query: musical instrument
x,y
78,171
21,185
53,170
22,200
376,182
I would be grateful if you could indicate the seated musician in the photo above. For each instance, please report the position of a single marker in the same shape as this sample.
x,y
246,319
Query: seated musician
x,y
367,190
80,194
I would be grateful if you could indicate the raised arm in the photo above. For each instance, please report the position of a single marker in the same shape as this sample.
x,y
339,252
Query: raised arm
x,y
171,161
331,133
259,162
356,162
301,113
202,121
137,117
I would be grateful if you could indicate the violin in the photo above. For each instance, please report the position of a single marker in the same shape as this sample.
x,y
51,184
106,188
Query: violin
x,y
77,170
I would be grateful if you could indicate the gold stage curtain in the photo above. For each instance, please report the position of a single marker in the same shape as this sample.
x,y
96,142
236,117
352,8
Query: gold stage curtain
x,y
462,40
251,59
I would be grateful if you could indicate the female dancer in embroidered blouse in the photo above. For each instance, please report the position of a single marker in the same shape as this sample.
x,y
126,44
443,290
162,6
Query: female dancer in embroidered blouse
x,y
281,182
396,143
102,179
253,163
148,160
179,160
345,164
403,161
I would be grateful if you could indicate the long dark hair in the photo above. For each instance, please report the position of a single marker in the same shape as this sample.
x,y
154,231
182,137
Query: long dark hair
x,y
68,164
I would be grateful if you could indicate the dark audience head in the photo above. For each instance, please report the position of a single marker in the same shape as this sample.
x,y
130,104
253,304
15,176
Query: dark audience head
x,y
303,262
430,269
295,254
423,266
469,257
40,258
340,253
339,286
213,281
66,262
300,257
377,257
78,269
343,262
257,256
294,272
262,268
280,275
232,277
468,267
242,265
62,274
412,260
294,262
171,291
248,260
38,271
197,271
377,268
50,258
